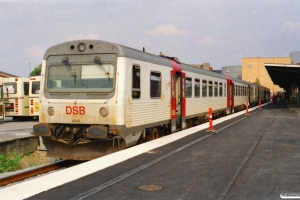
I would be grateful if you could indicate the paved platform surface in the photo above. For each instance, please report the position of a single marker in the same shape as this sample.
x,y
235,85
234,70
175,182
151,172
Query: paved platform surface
x,y
17,135
13,129
256,158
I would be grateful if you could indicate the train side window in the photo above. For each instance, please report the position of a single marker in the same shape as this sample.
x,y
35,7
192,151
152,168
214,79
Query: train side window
x,y
155,84
136,82
225,90
236,89
188,87
197,88
26,88
204,88
216,89
210,88
242,90
220,89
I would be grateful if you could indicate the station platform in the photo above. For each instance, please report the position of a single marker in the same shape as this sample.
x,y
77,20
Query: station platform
x,y
17,135
250,157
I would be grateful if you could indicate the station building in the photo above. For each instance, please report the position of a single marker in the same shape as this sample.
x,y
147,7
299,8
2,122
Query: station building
x,y
253,69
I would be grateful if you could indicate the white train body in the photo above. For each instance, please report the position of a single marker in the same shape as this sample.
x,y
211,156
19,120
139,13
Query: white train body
x,y
93,91
16,91
2,116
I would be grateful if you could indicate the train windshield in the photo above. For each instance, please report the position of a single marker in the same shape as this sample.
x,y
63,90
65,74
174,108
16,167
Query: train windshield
x,y
81,78
10,88
35,87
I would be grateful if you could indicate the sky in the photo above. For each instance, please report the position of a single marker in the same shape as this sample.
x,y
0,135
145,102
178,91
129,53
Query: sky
x,y
220,32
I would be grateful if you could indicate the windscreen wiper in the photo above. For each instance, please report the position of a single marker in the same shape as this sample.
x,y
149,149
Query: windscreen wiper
x,y
65,61
97,61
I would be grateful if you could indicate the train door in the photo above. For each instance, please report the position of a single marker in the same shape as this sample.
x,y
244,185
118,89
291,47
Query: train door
x,y
34,91
249,95
177,100
230,96
1,102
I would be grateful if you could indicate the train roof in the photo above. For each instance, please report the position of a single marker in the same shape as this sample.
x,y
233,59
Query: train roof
x,y
98,46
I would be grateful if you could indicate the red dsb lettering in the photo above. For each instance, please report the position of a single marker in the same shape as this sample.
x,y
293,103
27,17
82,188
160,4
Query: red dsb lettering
x,y
68,110
75,110
81,110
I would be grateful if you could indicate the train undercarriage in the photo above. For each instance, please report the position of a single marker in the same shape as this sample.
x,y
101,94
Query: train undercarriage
x,y
87,142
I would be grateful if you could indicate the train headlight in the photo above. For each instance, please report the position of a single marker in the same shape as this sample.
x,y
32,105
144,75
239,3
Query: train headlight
x,y
81,47
50,111
103,112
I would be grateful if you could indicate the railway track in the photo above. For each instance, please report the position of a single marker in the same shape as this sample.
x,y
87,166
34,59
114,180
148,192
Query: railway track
x,y
36,171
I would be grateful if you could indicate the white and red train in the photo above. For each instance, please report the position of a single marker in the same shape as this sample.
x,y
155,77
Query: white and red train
x,y
94,92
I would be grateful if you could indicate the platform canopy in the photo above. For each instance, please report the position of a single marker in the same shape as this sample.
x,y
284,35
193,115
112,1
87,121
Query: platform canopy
x,y
284,75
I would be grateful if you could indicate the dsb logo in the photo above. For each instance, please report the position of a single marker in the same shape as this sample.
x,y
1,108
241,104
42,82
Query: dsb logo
x,y
75,110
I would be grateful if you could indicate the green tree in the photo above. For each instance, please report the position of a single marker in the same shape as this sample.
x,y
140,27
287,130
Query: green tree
x,y
257,82
36,71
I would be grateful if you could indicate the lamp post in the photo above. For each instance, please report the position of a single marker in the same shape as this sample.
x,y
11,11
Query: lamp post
x,y
29,67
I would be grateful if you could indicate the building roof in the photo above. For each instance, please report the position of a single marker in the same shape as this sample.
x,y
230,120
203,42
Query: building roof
x,y
284,75
4,74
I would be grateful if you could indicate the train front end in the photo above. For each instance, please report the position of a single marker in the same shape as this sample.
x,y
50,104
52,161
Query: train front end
x,y
78,115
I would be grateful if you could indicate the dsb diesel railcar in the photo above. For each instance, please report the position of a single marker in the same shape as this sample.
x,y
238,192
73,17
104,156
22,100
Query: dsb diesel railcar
x,y
93,92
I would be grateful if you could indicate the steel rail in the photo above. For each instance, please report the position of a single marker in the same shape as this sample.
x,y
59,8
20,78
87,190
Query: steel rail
x,y
33,172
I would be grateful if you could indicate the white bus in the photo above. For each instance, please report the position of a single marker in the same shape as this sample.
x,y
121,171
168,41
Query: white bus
x,y
34,95
2,116
16,97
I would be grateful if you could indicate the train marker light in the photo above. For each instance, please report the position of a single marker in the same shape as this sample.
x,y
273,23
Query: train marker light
x,y
81,47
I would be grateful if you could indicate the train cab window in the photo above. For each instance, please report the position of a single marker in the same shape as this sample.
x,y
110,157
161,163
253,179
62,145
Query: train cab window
x,y
136,80
216,89
204,88
225,90
188,87
220,89
155,84
210,88
35,87
197,88
26,88
10,88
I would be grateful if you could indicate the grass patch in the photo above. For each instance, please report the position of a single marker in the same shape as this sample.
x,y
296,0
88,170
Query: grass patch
x,y
10,161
